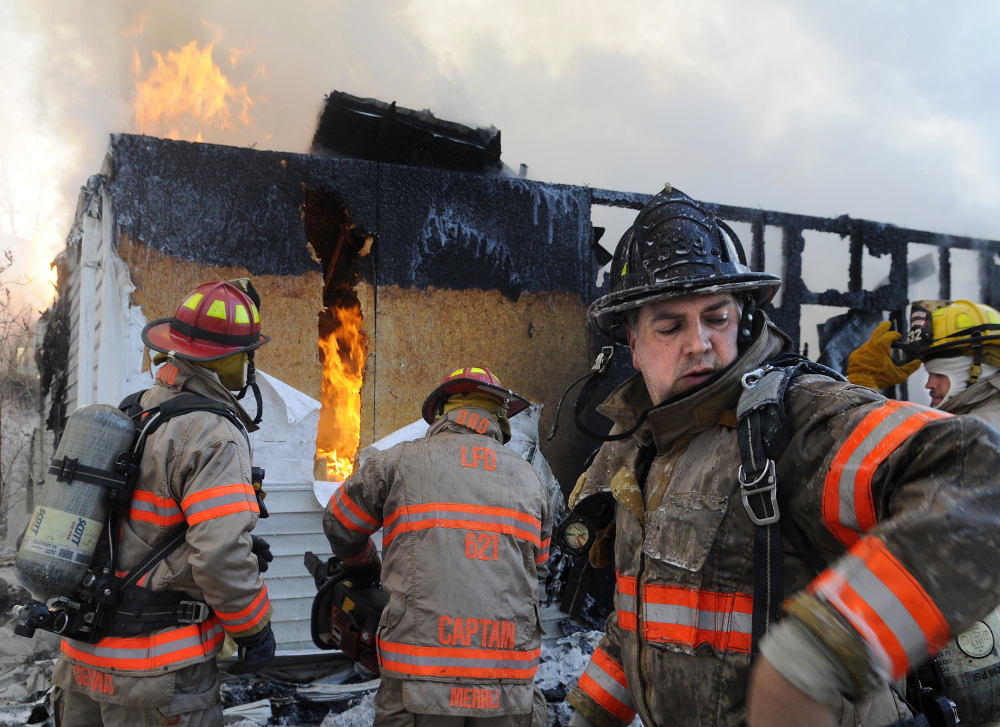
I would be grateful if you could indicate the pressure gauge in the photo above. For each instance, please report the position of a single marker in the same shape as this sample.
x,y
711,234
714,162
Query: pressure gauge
x,y
576,536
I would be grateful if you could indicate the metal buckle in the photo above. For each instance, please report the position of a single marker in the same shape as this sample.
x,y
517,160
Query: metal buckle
x,y
67,469
751,378
199,612
747,489
603,359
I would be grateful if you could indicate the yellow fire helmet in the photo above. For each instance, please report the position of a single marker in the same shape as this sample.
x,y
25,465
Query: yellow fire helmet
x,y
943,328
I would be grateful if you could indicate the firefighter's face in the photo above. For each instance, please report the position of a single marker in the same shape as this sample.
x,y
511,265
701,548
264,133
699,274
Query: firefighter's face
x,y
680,343
938,385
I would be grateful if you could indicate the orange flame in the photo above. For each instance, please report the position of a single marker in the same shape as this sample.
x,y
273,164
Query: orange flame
x,y
343,352
186,93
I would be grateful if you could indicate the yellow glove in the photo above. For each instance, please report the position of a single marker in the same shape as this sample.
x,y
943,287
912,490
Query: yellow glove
x,y
871,364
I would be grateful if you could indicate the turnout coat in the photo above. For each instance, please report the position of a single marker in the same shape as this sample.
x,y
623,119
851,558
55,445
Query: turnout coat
x,y
464,546
900,499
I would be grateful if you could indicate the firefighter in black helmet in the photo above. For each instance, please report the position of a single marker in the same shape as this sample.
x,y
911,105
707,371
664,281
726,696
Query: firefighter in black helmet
x,y
854,479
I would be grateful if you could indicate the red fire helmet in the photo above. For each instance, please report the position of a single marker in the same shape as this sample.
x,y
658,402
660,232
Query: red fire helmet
x,y
216,320
473,379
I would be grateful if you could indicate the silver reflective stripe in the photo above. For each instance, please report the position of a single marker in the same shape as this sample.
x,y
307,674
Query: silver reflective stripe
x,y
157,651
234,623
341,511
626,602
456,661
609,684
229,498
718,621
886,605
535,528
849,474
165,512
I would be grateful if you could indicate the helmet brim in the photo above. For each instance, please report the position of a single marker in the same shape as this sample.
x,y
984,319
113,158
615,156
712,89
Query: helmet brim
x,y
515,402
605,311
159,336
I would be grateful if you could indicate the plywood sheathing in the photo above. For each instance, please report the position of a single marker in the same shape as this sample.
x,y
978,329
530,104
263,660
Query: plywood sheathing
x,y
289,306
535,345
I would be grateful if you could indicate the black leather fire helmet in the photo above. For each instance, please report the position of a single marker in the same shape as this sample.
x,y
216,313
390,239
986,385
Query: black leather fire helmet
x,y
676,247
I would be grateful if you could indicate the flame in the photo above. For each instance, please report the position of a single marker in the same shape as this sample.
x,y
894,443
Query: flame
x,y
343,352
186,93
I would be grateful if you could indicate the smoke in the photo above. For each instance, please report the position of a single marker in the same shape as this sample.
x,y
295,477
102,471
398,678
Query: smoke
x,y
817,108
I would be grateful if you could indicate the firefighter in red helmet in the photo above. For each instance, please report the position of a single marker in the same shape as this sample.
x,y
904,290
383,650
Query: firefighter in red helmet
x,y
187,529
466,531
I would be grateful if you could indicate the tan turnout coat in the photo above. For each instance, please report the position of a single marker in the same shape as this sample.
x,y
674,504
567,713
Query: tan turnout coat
x,y
465,544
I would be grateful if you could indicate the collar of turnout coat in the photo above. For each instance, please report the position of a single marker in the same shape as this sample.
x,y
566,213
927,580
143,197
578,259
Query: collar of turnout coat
x,y
699,410
192,378
467,420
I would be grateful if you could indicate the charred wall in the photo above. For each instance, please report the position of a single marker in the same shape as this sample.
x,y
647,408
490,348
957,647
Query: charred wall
x,y
449,269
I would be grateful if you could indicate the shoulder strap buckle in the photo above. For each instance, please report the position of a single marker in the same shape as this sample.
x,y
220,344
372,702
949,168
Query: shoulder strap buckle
x,y
753,488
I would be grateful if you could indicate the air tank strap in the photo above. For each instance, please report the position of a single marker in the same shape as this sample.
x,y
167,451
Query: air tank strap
x,y
69,470
141,610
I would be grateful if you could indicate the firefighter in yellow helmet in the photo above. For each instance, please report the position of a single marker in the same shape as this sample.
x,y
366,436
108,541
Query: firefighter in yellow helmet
x,y
959,345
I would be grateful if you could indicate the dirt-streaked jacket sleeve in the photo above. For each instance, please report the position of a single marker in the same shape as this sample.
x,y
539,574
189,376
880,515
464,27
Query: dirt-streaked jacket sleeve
x,y
355,512
911,494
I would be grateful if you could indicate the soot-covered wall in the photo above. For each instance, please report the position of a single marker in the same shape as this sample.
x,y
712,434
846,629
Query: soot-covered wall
x,y
462,269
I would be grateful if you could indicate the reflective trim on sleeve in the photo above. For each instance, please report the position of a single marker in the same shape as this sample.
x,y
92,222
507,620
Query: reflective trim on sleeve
x,y
692,617
149,508
350,515
361,558
247,618
604,681
444,661
194,643
463,517
886,604
848,505
218,502
543,554
626,603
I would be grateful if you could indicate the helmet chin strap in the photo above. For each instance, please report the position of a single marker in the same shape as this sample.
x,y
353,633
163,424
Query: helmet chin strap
x,y
252,384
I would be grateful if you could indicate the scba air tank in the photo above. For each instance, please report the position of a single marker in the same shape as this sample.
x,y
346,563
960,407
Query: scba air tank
x,y
970,670
65,527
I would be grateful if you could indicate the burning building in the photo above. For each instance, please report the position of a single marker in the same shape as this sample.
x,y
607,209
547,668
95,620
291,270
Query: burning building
x,y
376,279
401,248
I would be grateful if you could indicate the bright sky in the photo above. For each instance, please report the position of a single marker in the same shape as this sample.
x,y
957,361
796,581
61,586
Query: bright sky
x,y
885,111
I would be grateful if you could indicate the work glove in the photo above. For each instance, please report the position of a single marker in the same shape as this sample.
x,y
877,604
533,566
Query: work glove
x,y
262,549
255,652
366,575
871,364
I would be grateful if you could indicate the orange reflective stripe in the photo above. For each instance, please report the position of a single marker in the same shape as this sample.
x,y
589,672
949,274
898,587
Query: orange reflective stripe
x,y
626,602
543,554
361,558
429,516
848,504
886,604
350,515
604,681
150,651
150,508
458,662
691,617
249,617
218,502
